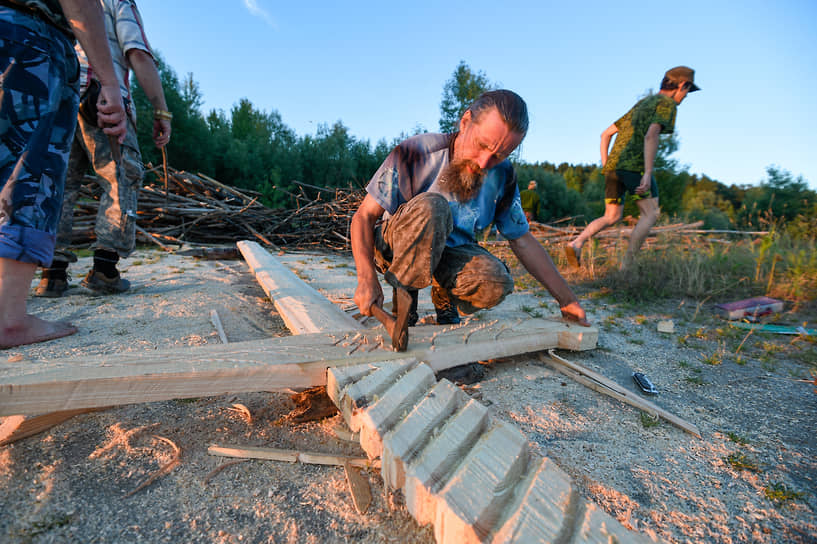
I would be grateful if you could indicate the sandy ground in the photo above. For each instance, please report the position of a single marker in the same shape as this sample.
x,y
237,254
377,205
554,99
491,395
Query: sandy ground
x,y
76,482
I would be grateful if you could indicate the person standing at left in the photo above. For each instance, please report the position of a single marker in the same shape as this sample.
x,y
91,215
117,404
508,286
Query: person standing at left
x,y
120,177
39,98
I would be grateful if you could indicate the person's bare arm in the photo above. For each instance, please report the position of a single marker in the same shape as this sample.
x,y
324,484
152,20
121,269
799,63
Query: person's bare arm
x,y
144,68
606,136
650,151
537,261
368,290
85,18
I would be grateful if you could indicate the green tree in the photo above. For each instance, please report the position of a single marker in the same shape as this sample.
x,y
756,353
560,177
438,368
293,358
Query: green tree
x,y
463,88
557,199
779,197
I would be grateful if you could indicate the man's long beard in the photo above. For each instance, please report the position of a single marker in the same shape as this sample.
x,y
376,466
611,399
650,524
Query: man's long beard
x,y
461,182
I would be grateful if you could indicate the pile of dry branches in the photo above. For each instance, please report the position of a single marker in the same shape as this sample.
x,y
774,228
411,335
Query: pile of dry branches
x,y
196,209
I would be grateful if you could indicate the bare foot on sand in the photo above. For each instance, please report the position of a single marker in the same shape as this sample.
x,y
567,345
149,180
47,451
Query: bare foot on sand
x,y
33,330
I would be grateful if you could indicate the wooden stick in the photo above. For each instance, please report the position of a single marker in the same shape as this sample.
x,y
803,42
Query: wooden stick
x,y
151,237
291,456
217,324
599,383
221,467
177,455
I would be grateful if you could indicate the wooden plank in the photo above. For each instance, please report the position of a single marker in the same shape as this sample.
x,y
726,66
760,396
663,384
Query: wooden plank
x,y
263,365
303,309
428,472
599,383
472,500
402,444
381,416
539,510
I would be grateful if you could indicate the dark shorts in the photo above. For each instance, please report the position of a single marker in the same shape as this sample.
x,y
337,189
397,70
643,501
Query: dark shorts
x,y
619,182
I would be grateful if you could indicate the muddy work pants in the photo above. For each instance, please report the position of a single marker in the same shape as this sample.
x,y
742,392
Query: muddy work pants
x,y
410,250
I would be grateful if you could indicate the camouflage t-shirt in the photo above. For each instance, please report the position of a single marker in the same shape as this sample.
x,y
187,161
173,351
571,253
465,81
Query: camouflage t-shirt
x,y
628,149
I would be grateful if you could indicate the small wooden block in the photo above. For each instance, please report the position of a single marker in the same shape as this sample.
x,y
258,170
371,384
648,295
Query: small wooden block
x,y
360,394
426,474
401,444
358,487
380,417
666,326
540,508
471,502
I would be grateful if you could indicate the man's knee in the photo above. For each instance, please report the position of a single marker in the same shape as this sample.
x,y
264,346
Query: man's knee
x,y
612,213
427,214
483,284
431,204
649,210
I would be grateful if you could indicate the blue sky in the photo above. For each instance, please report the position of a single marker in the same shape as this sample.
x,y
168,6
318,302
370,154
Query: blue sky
x,y
379,68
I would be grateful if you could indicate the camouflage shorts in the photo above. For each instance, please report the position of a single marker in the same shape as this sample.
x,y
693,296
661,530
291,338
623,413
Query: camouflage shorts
x,y
115,226
39,90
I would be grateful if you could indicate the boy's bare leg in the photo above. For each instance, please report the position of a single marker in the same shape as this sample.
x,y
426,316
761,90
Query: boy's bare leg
x,y
648,215
17,327
612,215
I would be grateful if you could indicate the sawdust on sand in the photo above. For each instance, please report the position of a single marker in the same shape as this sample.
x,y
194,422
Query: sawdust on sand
x,y
76,481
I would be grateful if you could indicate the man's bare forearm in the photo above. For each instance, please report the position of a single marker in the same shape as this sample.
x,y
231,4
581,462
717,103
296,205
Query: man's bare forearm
x,y
86,20
144,67
537,261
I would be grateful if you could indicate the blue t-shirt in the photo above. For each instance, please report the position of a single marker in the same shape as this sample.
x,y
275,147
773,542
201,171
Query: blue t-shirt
x,y
415,166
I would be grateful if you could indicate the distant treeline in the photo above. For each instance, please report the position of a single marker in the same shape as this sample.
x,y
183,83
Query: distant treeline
x,y
256,150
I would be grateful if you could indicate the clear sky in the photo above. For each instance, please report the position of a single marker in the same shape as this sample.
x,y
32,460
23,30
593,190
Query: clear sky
x,y
379,68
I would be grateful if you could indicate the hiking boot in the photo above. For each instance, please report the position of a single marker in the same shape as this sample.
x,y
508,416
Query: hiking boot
x,y
51,287
447,313
54,280
101,284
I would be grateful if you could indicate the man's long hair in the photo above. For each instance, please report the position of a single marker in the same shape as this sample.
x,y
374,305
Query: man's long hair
x,y
510,106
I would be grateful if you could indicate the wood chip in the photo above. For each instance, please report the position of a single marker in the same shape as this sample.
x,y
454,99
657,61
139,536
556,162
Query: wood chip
x,y
358,487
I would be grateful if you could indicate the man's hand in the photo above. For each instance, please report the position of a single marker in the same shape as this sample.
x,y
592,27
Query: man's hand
x,y
111,112
574,312
644,186
367,294
161,132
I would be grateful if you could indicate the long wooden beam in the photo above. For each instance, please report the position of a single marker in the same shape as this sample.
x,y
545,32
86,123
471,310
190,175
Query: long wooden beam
x,y
302,308
263,365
